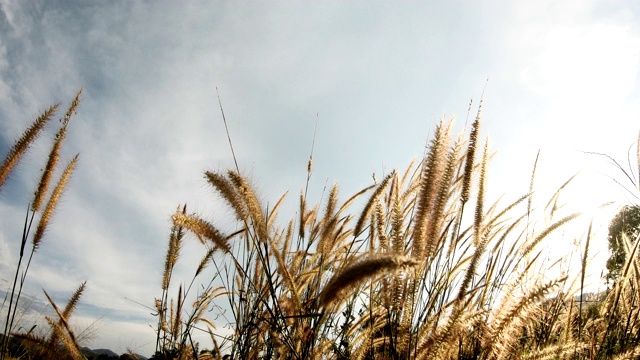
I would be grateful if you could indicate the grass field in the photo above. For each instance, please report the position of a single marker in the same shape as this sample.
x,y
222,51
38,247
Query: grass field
x,y
419,265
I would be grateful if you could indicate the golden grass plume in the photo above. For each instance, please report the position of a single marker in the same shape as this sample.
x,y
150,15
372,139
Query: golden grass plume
x,y
360,271
22,144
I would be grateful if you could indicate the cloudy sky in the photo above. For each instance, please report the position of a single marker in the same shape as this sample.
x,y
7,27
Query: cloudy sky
x,y
375,76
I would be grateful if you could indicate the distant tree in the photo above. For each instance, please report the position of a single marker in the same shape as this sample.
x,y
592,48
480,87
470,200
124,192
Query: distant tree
x,y
626,221
107,357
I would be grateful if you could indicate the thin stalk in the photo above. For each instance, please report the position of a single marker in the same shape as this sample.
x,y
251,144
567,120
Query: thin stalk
x,y
9,322
224,119
582,275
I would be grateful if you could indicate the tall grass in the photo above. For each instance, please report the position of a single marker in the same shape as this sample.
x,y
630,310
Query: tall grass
x,y
417,266
62,342
36,207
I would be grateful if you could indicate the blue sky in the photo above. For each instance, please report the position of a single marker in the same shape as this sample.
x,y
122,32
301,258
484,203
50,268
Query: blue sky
x,y
376,76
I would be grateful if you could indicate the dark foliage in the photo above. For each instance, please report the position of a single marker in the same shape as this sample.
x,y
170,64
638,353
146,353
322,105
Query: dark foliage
x,y
626,221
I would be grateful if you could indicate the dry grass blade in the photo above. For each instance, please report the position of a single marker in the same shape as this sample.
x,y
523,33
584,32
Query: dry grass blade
x,y
359,272
533,243
20,147
67,337
226,128
132,355
583,271
53,202
531,184
205,261
506,210
473,265
273,213
473,284
559,351
289,281
616,295
177,318
498,337
31,337
553,201
68,340
353,198
433,344
628,355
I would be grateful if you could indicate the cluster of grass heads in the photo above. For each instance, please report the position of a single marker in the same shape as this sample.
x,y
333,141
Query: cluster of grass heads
x,y
416,266
60,342
423,268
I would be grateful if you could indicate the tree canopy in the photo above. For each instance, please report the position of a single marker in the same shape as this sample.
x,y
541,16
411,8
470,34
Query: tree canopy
x,y
627,222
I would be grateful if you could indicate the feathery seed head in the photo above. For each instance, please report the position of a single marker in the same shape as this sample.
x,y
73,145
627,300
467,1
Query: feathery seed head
x,y
202,229
251,202
369,207
431,177
360,271
481,191
53,202
72,108
20,147
173,252
54,155
228,193
470,157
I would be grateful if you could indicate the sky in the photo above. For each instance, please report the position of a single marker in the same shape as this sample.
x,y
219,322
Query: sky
x,y
560,78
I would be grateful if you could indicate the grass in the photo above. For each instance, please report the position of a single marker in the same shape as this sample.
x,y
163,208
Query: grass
x,y
419,265
425,270
45,214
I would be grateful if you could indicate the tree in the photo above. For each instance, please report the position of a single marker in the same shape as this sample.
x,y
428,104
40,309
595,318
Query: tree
x,y
626,221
